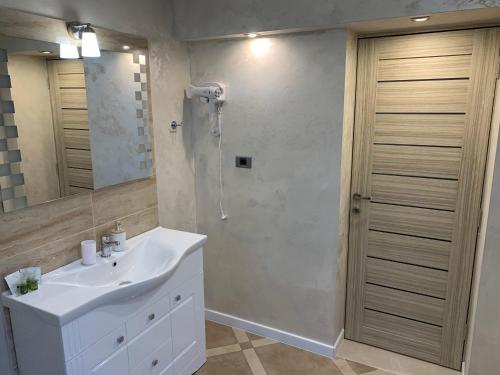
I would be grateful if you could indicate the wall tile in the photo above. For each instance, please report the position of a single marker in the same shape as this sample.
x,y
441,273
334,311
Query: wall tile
x,y
50,256
39,225
123,200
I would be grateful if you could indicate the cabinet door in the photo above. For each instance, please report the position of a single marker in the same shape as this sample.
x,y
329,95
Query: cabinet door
x,y
187,322
117,364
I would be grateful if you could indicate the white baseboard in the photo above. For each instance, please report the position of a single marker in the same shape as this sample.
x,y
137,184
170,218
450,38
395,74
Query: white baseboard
x,y
288,338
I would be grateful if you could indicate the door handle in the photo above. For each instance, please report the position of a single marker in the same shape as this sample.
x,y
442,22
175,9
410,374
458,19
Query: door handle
x,y
359,197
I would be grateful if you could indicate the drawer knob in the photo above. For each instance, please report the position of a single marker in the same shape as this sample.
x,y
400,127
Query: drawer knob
x,y
178,298
120,339
155,363
151,316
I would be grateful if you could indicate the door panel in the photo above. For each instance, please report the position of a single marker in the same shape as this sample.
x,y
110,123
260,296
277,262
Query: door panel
x,y
419,129
435,67
440,96
421,280
414,191
78,158
418,222
402,335
408,249
75,138
417,307
437,162
426,45
75,118
73,98
423,112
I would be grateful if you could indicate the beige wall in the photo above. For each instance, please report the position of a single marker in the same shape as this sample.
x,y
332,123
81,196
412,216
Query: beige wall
x,y
30,92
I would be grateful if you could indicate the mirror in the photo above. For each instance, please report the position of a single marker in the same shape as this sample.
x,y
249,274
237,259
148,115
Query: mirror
x,y
69,125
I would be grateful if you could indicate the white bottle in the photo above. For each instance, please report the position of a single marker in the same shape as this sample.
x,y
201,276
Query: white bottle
x,y
119,235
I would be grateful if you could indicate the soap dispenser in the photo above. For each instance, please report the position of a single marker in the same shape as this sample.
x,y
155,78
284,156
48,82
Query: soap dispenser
x,y
119,235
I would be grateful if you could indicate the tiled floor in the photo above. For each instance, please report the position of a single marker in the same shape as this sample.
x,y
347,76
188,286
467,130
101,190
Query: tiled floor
x,y
231,351
392,362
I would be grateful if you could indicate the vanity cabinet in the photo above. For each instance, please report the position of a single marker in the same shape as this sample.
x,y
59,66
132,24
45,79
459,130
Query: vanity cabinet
x,y
160,332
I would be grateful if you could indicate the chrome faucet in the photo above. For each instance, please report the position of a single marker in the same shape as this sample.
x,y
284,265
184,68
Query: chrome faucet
x,y
107,245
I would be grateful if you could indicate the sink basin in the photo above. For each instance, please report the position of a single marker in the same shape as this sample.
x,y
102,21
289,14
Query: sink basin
x,y
150,259
144,259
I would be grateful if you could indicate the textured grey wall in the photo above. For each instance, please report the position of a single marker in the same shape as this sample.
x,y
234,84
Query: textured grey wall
x,y
169,67
203,19
274,260
117,147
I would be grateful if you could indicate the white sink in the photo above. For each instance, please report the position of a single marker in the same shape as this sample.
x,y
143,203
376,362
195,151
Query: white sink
x,y
146,258
70,291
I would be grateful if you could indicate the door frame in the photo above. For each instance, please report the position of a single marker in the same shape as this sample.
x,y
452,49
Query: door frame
x,y
347,170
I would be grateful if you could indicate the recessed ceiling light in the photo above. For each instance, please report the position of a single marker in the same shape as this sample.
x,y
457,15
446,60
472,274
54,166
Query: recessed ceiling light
x,y
421,19
126,48
46,52
252,35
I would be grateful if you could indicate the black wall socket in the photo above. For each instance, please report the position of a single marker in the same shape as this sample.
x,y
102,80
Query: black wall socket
x,y
243,162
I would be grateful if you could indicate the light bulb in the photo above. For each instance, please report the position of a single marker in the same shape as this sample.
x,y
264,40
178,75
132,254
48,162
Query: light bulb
x,y
90,47
68,51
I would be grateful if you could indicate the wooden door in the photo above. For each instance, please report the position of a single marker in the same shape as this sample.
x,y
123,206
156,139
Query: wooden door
x,y
423,112
69,107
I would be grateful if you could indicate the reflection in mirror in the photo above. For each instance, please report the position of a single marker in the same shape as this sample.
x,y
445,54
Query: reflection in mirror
x,y
69,126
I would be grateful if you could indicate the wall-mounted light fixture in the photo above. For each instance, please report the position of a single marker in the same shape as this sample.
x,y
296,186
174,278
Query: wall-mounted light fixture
x,y
68,51
421,18
83,31
126,48
252,35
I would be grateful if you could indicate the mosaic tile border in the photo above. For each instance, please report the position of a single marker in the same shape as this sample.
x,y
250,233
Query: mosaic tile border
x,y
12,190
142,107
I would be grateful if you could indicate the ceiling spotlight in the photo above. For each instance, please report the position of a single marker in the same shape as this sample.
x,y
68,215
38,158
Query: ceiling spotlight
x,y
252,35
421,19
126,48
83,31
46,52
68,51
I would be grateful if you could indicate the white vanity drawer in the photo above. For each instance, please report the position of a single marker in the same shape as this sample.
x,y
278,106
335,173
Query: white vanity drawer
x,y
157,362
147,342
148,316
114,365
99,353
